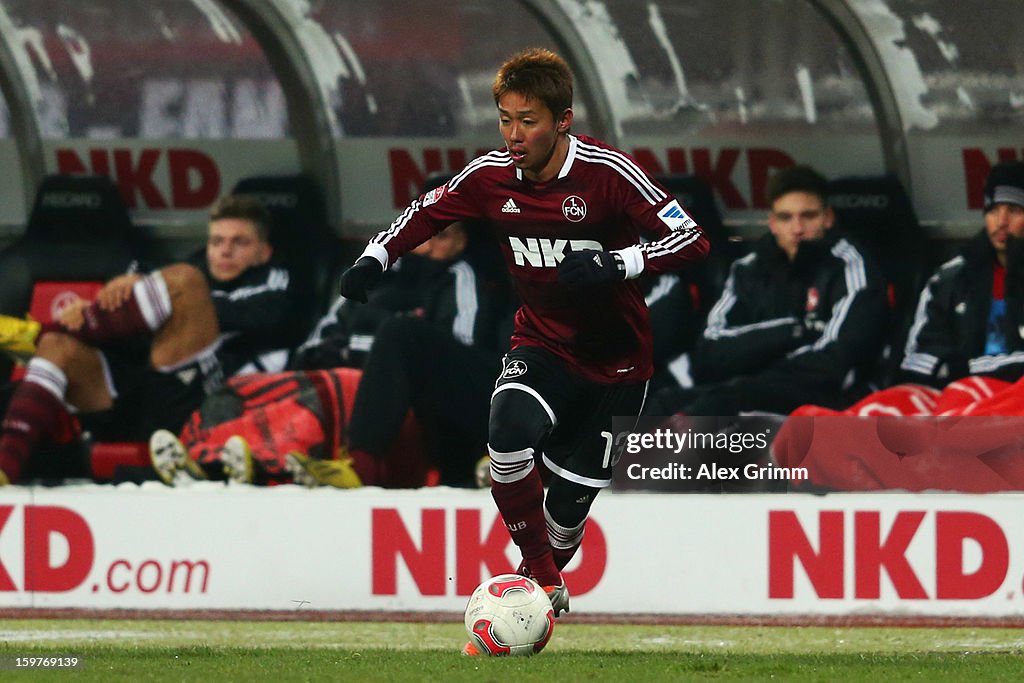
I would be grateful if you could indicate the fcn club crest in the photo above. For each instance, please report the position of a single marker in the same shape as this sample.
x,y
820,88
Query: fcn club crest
x,y
515,368
574,208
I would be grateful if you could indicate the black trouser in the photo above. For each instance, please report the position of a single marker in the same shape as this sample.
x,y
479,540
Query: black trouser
x,y
447,385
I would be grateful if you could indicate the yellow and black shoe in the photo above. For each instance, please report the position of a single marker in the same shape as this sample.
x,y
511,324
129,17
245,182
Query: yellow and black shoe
x,y
314,472
18,335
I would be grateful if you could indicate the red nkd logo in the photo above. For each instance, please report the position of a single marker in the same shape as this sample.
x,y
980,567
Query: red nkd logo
x,y
191,175
478,555
41,573
789,544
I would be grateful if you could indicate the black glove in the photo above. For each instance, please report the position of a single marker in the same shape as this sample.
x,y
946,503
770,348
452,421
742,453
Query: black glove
x,y
590,267
360,278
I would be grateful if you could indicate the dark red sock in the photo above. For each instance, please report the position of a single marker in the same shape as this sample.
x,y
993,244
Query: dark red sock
x,y
33,414
565,541
102,326
128,319
521,504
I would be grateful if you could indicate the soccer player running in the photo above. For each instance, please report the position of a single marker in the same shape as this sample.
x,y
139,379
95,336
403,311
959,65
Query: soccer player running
x,y
567,210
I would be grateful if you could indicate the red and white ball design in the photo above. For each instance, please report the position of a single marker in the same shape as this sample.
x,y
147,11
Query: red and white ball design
x,y
509,614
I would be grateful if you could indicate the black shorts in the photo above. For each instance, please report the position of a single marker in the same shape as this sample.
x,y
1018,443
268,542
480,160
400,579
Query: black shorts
x,y
582,446
148,399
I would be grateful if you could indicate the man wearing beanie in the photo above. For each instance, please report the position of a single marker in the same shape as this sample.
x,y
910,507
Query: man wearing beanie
x,y
970,317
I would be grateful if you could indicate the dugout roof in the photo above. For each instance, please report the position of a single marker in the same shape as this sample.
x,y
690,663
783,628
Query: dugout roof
x,y
178,99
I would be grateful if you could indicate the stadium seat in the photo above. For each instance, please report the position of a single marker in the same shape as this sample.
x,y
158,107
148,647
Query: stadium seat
x,y
877,213
78,236
48,298
79,230
106,458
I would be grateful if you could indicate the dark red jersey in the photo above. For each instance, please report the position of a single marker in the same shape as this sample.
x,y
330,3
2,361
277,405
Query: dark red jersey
x,y
600,199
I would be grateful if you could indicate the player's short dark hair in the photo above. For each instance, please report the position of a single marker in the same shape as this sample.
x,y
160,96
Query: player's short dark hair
x,y
244,207
536,73
797,179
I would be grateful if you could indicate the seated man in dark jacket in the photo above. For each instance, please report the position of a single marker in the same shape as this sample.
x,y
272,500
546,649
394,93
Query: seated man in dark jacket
x,y
971,313
964,356
438,358
435,282
797,318
142,356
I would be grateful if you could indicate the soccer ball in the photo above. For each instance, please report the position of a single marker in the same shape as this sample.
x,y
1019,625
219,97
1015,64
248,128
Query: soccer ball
x,y
509,614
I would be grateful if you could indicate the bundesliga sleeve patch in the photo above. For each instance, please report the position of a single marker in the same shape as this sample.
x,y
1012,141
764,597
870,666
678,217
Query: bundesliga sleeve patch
x,y
675,217
434,195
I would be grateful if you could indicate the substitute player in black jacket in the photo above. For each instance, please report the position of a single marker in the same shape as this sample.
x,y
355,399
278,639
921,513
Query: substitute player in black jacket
x,y
436,283
970,317
257,316
567,211
142,356
798,316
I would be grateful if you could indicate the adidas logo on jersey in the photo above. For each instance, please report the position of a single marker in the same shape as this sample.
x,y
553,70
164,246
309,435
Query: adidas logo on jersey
x,y
510,207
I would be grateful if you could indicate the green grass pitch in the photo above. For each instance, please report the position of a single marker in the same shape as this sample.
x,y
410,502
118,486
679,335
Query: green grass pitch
x,y
123,650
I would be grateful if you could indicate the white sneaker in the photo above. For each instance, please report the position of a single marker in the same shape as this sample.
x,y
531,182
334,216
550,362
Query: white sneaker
x,y
167,455
236,458
171,461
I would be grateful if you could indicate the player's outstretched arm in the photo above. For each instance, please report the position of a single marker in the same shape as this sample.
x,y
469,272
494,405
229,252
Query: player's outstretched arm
x,y
360,278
